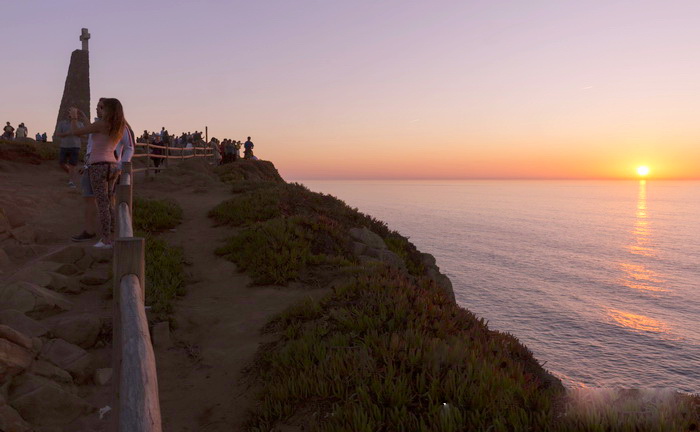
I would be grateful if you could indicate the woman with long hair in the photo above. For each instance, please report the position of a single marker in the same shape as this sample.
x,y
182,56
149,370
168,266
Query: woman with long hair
x,y
102,165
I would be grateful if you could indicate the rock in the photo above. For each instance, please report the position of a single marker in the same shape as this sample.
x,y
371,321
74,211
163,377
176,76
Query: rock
x,y
48,370
368,261
81,330
24,234
68,269
427,260
4,223
37,344
58,405
367,237
66,255
22,323
84,263
102,376
13,359
47,266
45,236
35,276
161,335
4,259
14,336
67,356
11,421
64,284
373,252
391,259
95,277
15,216
443,282
100,255
358,248
28,297
18,251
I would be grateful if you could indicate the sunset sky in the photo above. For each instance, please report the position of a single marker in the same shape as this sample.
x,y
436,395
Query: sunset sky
x,y
384,89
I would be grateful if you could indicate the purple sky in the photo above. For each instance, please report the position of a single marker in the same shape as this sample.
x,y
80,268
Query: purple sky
x,y
391,89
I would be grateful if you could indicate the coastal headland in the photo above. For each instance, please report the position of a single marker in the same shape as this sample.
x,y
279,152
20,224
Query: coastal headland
x,y
272,308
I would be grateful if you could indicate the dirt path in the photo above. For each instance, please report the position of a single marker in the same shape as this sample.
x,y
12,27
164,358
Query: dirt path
x,y
218,322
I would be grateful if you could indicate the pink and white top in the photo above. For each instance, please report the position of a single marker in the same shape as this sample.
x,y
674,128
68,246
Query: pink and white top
x,y
102,148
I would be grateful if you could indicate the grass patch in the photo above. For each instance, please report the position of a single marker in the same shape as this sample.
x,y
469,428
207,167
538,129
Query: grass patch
x,y
282,249
165,274
156,215
254,206
385,353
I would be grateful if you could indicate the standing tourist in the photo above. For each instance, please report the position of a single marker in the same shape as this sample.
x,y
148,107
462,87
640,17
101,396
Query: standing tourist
x,y
102,165
248,152
43,137
8,131
157,152
69,147
21,131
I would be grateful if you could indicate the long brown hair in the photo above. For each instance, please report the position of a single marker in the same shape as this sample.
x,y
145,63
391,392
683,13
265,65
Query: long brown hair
x,y
113,115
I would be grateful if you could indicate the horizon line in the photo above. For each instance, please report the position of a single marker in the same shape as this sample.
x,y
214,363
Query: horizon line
x,y
495,178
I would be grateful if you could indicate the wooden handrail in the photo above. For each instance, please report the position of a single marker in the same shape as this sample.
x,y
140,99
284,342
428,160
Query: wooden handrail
x,y
124,218
139,407
135,380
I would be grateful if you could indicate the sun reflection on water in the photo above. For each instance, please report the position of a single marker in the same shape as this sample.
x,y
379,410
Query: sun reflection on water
x,y
637,322
637,275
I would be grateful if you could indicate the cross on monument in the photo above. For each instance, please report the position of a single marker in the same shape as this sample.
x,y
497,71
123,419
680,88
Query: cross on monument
x,y
84,37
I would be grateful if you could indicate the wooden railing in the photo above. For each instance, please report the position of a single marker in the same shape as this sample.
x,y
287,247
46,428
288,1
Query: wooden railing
x,y
135,381
199,151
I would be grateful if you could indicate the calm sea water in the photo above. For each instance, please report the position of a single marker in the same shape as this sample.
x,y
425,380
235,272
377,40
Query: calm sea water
x,y
601,280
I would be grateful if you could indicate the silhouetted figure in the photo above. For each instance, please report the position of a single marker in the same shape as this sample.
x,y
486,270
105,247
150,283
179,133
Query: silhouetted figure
x,y
248,149
21,131
8,131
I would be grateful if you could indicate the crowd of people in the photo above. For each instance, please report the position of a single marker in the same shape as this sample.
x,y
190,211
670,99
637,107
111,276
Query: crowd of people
x,y
110,143
10,133
226,150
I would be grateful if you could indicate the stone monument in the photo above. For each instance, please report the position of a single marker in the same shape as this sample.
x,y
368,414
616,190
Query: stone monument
x,y
76,92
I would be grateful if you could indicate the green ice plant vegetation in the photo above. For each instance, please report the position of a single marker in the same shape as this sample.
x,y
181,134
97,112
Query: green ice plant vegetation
x,y
154,215
385,350
289,229
387,353
165,276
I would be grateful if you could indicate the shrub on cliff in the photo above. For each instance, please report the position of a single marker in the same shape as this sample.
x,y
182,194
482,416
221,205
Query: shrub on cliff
x,y
385,353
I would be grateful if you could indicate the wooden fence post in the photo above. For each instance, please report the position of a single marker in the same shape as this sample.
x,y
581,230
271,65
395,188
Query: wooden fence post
x,y
148,160
167,153
129,258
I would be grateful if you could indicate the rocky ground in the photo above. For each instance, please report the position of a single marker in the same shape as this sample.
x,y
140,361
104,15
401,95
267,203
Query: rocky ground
x,y
55,307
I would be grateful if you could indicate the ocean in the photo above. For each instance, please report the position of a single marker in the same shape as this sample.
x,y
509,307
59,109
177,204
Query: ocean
x,y
600,279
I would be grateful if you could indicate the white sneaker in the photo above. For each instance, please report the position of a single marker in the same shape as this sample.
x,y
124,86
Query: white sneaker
x,y
71,184
101,245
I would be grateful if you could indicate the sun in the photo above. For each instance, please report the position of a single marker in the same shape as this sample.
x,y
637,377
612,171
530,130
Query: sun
x,y
643,171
